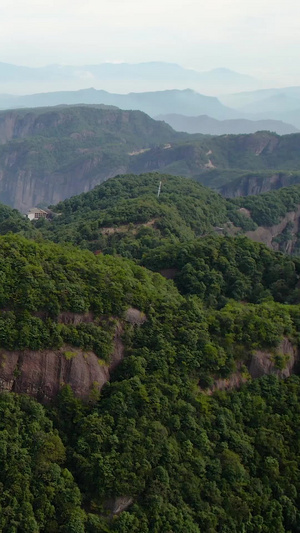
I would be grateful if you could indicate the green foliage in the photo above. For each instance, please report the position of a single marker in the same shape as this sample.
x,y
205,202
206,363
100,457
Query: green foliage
x,y
37,493
66,140
125,216
42,283
12,221
269,208
217,268
185,460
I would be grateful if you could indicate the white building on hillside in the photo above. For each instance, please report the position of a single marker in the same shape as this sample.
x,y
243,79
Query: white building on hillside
x,y
35,213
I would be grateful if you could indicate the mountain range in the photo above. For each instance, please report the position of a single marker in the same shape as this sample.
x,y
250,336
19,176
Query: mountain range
x,y
126,76
149,347
187,102
48,154
271,104
211,126
277,103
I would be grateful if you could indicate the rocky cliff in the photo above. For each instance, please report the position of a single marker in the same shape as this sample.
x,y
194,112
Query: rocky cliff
x,y
282,362
47,155
42,373
280,237
258,183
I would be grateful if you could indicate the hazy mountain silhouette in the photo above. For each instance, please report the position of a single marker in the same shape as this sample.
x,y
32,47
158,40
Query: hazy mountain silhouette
x,y
208,125
186,102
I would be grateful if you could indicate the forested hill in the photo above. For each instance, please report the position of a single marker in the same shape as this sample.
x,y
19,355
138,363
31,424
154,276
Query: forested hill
x,y
124,215
167,405
155,451
98,124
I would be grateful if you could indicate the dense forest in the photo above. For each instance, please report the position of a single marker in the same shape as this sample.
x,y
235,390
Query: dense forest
x,y
183,437
125,215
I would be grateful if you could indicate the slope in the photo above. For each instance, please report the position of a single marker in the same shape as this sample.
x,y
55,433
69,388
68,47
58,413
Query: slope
x,y
50,154
148,453
124,215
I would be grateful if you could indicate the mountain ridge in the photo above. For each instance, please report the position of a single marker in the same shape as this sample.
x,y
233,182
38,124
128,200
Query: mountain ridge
x,y
210,126
49,154
129,76
153,103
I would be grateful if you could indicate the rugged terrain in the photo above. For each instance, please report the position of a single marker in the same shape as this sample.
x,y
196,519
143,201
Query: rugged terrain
x,y
48,155
151,350
124,215
168,404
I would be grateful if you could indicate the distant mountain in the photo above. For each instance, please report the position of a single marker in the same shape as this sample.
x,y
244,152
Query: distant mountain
x,y
243,99
279,104
127,76
47,155
50,154
186,102
208,125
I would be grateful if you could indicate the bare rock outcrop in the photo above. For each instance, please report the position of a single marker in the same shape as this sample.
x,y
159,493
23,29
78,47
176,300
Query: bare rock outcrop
x,y
264,363
135,316
119,504
42,373
267,235
261,363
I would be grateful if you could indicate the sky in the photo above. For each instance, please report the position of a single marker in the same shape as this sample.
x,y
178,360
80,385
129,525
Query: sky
x,y
260,38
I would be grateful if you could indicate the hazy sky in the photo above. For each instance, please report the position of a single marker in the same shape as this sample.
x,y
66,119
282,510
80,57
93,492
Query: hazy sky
x,y
256,37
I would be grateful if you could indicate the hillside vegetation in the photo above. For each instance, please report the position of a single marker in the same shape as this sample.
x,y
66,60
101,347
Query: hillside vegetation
x,y
180,459
125,215
197,426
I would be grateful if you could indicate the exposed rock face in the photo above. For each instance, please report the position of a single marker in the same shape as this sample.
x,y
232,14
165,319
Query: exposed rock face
x,y
52,154
261,364
24,188
117,505
135,316
254,184
267,235
67,317
42,373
